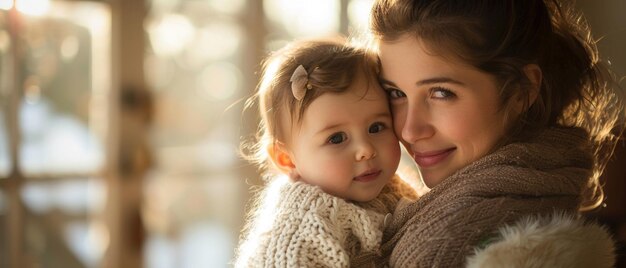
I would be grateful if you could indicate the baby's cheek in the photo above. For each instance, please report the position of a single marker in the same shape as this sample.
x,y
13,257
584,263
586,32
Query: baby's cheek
x,y
395,155
389,152
393,145
331,169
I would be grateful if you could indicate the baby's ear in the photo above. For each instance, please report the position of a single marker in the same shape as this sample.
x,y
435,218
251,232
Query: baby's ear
x,y
282,159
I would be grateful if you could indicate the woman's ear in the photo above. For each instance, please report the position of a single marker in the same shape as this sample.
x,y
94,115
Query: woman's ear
x,y
534,75
281,157
523,99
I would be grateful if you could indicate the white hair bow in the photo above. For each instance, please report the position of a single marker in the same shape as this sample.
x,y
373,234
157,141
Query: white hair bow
x,y
300,82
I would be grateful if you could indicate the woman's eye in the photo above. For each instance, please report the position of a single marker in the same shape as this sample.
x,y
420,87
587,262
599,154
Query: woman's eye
x,y
442,93
376,127
337,138
395,93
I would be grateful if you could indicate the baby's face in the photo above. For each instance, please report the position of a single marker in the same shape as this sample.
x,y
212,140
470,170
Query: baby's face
x,y
346,144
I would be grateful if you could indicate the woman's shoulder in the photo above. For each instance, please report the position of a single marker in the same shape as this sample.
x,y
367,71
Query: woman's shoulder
x,y
493,237
556,240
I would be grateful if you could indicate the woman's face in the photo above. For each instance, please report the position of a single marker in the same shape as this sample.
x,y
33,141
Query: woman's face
x,y
446,113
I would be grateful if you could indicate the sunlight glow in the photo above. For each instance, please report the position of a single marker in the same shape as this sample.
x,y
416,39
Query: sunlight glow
x,y
69,48
171,34
88,240
222,38
48,134
302,18
6,4
264,216
358,14
5,41
227,6
33,7
219,81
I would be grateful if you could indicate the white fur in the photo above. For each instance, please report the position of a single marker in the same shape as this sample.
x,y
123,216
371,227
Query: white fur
x,y
556,241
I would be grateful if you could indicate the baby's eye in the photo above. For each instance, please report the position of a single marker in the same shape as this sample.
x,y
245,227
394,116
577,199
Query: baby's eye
x,y
337,138
377,127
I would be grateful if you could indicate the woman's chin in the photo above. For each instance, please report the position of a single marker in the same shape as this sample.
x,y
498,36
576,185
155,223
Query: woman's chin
x,y
431,180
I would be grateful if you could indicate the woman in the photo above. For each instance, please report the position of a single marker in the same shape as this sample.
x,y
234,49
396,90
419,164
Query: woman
x,y
510,117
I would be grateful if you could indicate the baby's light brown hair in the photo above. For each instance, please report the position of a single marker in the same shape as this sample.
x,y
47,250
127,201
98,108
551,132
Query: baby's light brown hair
x,y
332,66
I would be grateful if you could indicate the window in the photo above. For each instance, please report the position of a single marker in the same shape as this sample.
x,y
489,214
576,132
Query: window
x,y
90,161
55,73
202,58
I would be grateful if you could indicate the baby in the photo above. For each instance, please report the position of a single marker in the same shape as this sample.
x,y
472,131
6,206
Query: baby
x,y
327,128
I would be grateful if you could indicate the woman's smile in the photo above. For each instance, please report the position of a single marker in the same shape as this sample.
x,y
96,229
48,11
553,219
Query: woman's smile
x,y
431,158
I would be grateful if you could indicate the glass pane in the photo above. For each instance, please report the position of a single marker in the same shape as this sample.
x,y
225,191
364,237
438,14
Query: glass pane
x,y
62,229
64,79
87,240
198,210
80,196
201,244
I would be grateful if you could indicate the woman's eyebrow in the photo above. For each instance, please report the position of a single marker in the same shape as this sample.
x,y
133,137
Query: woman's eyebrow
x,y
386,82
437,80
434,80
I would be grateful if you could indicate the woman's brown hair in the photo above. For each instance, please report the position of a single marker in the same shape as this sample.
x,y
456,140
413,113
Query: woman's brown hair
x,y
501,37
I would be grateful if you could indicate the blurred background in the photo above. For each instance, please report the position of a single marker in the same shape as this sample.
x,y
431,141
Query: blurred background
x,y
120,123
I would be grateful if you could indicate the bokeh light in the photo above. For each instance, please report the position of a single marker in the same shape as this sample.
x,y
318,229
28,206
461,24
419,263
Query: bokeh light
x,y
304,18
6,4
219,81
358,14
33,7
170,34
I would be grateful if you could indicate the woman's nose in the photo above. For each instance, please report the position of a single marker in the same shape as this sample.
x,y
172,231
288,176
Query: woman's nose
x,y
365,151
417,124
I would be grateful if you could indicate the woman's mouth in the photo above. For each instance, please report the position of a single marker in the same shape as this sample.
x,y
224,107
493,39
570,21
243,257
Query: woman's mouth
x,y
429,159
368,176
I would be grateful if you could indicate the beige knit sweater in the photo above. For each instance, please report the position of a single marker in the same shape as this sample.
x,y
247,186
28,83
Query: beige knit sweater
x,y
298,225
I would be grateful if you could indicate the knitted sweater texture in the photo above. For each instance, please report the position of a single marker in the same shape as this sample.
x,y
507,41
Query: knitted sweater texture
x,y
464,211
306,227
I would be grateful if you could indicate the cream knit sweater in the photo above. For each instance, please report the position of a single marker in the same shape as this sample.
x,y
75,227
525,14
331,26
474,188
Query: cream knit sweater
x,y
310,229
298,225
